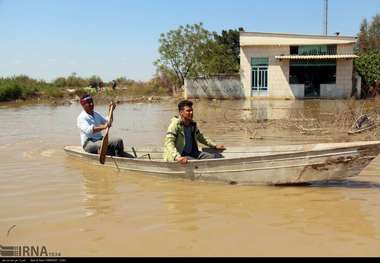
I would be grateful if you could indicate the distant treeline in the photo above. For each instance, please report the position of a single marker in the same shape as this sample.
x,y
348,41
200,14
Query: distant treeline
x,y
23,87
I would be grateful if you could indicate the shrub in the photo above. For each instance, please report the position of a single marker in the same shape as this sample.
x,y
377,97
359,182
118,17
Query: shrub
x,y
20,87
368,66
83,91
145,89
10,90
52,92
74,81
60,82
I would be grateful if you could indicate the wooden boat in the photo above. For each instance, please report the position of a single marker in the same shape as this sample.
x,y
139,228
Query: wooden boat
x,y
268,165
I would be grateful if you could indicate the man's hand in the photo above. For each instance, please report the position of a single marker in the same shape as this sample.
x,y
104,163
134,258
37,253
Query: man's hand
x,y
182,160
109,124
102,127
112,104
220,147
106,125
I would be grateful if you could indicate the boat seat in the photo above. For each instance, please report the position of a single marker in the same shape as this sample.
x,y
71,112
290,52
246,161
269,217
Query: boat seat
x,y
142,156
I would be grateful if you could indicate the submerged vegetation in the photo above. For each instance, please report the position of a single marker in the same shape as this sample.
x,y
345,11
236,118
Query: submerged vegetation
x,y
23,87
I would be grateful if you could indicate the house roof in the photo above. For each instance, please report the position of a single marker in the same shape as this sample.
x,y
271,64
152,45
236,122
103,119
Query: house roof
x,y
277,39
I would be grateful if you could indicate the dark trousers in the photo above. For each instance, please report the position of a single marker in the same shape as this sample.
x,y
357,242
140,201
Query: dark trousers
x,y
204,156
115,147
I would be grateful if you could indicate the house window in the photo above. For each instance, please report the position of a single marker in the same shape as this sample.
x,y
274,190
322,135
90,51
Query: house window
x,y
259,73
312,74
313,50
320,71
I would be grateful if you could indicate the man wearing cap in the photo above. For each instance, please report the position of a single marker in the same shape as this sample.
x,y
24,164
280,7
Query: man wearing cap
x,y
91,124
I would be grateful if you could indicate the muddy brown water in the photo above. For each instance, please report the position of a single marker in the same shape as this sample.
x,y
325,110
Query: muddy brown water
x,y
52,200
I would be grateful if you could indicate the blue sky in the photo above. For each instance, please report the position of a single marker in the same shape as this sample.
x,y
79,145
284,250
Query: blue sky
x,y
46,39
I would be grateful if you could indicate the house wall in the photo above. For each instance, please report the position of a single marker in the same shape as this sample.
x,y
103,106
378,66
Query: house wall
x,y
330,91
298,90
266,39
228,87
278,71
344,69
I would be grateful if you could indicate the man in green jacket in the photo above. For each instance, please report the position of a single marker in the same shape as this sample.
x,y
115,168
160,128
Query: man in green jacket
x,y
182,137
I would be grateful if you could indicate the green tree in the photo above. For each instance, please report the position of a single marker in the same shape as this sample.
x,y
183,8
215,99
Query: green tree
x,y
362,43
95,81
374,33
121,81
60,82
230,39
167,79
74,81
181,50
369,35
192,51
217,59
368,66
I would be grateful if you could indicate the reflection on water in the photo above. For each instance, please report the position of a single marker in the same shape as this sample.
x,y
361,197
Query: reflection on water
x,y
99,190
52,198
347,184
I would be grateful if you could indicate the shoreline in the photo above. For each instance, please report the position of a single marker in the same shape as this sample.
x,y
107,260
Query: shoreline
x,y
118,97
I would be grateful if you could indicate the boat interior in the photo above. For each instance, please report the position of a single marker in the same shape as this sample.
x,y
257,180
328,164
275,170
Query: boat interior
x,y
155,153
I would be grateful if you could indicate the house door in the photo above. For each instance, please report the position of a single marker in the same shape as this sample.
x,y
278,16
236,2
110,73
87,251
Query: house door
x,y
312,83
259,76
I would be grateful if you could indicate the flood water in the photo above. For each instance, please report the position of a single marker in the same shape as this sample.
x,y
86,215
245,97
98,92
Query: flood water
x,y
77,209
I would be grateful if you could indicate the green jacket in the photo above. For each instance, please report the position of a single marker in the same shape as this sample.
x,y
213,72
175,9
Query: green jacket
x,y
175,139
